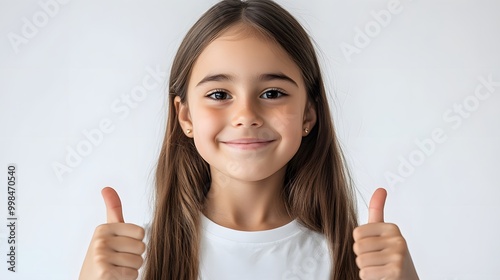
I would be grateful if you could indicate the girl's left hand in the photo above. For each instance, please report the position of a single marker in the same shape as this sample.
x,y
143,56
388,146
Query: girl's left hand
x,y
381,250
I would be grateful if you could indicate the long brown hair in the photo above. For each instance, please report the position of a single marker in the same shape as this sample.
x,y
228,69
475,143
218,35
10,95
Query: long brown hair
x,y
318,188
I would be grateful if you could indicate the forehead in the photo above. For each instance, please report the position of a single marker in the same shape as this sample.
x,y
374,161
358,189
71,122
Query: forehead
x,y
243,51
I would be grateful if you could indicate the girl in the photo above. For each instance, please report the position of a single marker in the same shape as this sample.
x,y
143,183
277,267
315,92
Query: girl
x,y
251,182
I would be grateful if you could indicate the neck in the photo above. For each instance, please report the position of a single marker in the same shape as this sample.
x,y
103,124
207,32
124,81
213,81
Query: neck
x,y
246,205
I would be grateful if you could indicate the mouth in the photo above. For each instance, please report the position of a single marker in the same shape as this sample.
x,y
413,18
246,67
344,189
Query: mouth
x,y
248,143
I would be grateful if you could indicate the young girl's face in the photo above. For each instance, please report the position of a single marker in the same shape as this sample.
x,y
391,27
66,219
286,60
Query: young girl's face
x,y
246,106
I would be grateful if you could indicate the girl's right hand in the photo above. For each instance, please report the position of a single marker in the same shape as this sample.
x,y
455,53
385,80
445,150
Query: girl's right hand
x,y
116,247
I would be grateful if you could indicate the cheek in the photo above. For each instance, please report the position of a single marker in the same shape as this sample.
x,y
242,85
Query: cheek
x,y
206,125
293,135
287,120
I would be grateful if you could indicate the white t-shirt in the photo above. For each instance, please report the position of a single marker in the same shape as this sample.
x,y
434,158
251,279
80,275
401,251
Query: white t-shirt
x,y
289,252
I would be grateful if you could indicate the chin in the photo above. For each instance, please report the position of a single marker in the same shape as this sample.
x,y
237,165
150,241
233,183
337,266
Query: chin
x,y
253,175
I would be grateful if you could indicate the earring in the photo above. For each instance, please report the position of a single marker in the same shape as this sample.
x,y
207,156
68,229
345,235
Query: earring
x,y
306,130
188,131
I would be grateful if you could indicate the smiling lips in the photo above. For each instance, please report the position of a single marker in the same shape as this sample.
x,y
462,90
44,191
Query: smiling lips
x,y
248,143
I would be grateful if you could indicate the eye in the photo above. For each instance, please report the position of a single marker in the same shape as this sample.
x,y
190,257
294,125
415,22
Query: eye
x,y
218,95
272,93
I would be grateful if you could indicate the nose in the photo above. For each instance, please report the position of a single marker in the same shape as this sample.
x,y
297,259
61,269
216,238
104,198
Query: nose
x,y
246,114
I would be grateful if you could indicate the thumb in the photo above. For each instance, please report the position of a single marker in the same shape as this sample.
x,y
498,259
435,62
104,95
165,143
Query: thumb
x,y
376,209
113,205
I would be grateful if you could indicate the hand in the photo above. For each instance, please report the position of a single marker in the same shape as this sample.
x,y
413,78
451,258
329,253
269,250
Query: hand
x,y
116,247
381,250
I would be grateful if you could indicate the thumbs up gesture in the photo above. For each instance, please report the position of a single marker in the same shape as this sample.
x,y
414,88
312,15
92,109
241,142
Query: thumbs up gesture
x,y
380,248
116,247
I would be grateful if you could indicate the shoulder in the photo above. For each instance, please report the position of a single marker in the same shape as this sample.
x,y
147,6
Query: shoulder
x,y
314,242
309,256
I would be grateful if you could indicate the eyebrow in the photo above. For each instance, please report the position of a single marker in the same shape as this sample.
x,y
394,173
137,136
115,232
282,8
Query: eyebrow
x,y
263,77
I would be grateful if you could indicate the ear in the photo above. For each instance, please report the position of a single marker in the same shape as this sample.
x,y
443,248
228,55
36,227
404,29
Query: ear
x,y
310,118
183,116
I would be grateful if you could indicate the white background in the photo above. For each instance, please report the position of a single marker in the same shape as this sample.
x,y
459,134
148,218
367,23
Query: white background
x,y
71,69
